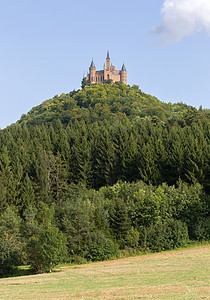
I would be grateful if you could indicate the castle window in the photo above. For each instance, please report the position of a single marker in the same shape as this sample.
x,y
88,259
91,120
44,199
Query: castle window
x,y
108,76
101,78
96,78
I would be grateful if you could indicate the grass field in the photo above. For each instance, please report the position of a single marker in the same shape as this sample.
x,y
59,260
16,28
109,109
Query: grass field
x,y
182,274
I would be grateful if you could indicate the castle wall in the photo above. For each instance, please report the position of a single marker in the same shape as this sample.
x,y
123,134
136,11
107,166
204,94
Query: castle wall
x,y
115,77
99,77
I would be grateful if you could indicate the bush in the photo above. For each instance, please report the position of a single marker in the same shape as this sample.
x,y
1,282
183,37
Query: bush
x,y
47,250
100,248
132,238
11,248
164,235
202,230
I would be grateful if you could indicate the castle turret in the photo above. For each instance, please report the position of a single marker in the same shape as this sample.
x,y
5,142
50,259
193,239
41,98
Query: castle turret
x,y
92,69
123,74
108,61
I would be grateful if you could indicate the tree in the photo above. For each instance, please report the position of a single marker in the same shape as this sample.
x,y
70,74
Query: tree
x,y
79,165
100,248
103,160
47,249
8,191
119,220
26,193
11,252
75,219
84,82
132,238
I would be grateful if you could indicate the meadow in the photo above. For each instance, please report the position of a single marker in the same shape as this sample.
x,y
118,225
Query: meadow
x,y
180,274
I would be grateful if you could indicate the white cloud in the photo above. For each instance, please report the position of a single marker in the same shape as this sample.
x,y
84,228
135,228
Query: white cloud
x,y
182,18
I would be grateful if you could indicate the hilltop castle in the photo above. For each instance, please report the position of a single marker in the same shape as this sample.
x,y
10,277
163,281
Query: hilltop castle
x,y
108,73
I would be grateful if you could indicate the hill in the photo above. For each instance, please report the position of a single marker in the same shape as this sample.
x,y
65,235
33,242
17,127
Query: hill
x,y
106,132
101,170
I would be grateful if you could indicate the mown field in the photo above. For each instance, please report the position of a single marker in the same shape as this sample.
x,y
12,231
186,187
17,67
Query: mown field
x,y
181,274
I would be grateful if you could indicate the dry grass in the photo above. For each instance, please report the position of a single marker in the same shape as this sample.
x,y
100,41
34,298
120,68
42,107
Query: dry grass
x,y
180,274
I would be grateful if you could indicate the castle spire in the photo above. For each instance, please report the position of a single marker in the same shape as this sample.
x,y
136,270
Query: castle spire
x,y
107,56
92,64
123,68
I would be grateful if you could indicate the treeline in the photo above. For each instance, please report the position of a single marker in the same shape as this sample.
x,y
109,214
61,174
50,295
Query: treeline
x,y
95,225
86,174
40,162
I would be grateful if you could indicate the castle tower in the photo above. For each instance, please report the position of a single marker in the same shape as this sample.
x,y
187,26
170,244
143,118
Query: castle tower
x,y
92,69
123,74
107,61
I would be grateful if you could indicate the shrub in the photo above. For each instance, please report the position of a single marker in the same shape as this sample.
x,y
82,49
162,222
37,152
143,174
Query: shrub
x,y
100,248
164,235
11,248
47,250
132,238
202,230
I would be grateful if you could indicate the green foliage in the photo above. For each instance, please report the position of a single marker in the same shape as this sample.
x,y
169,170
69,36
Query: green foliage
x,y
100,248
132,238
84,83
76,223
47,249
108,81
164,236
104,166
93,101
119,220
8,183
11,248
26,192
45,243
202,229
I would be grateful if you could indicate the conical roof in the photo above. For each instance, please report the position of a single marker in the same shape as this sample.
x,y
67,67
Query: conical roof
x,y
107,56
92,64
123,68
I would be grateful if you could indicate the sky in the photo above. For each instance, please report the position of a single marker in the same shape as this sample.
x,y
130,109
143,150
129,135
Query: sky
x,y
46,45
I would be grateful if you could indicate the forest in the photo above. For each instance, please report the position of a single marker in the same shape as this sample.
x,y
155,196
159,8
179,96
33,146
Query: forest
x,y
87,175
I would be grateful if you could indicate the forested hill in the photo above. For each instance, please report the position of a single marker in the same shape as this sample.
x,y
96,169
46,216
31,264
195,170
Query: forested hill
x,y
101,169
105,133
105,101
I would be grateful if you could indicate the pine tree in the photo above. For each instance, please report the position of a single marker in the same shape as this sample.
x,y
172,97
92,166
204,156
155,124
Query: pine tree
x,y
27,196
130,169
119,221
8,191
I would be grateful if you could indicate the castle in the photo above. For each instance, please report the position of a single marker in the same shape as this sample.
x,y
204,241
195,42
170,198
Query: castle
x,y
108,73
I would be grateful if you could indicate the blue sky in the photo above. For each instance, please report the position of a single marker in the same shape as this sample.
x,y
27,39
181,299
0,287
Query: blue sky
x,y
46,45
